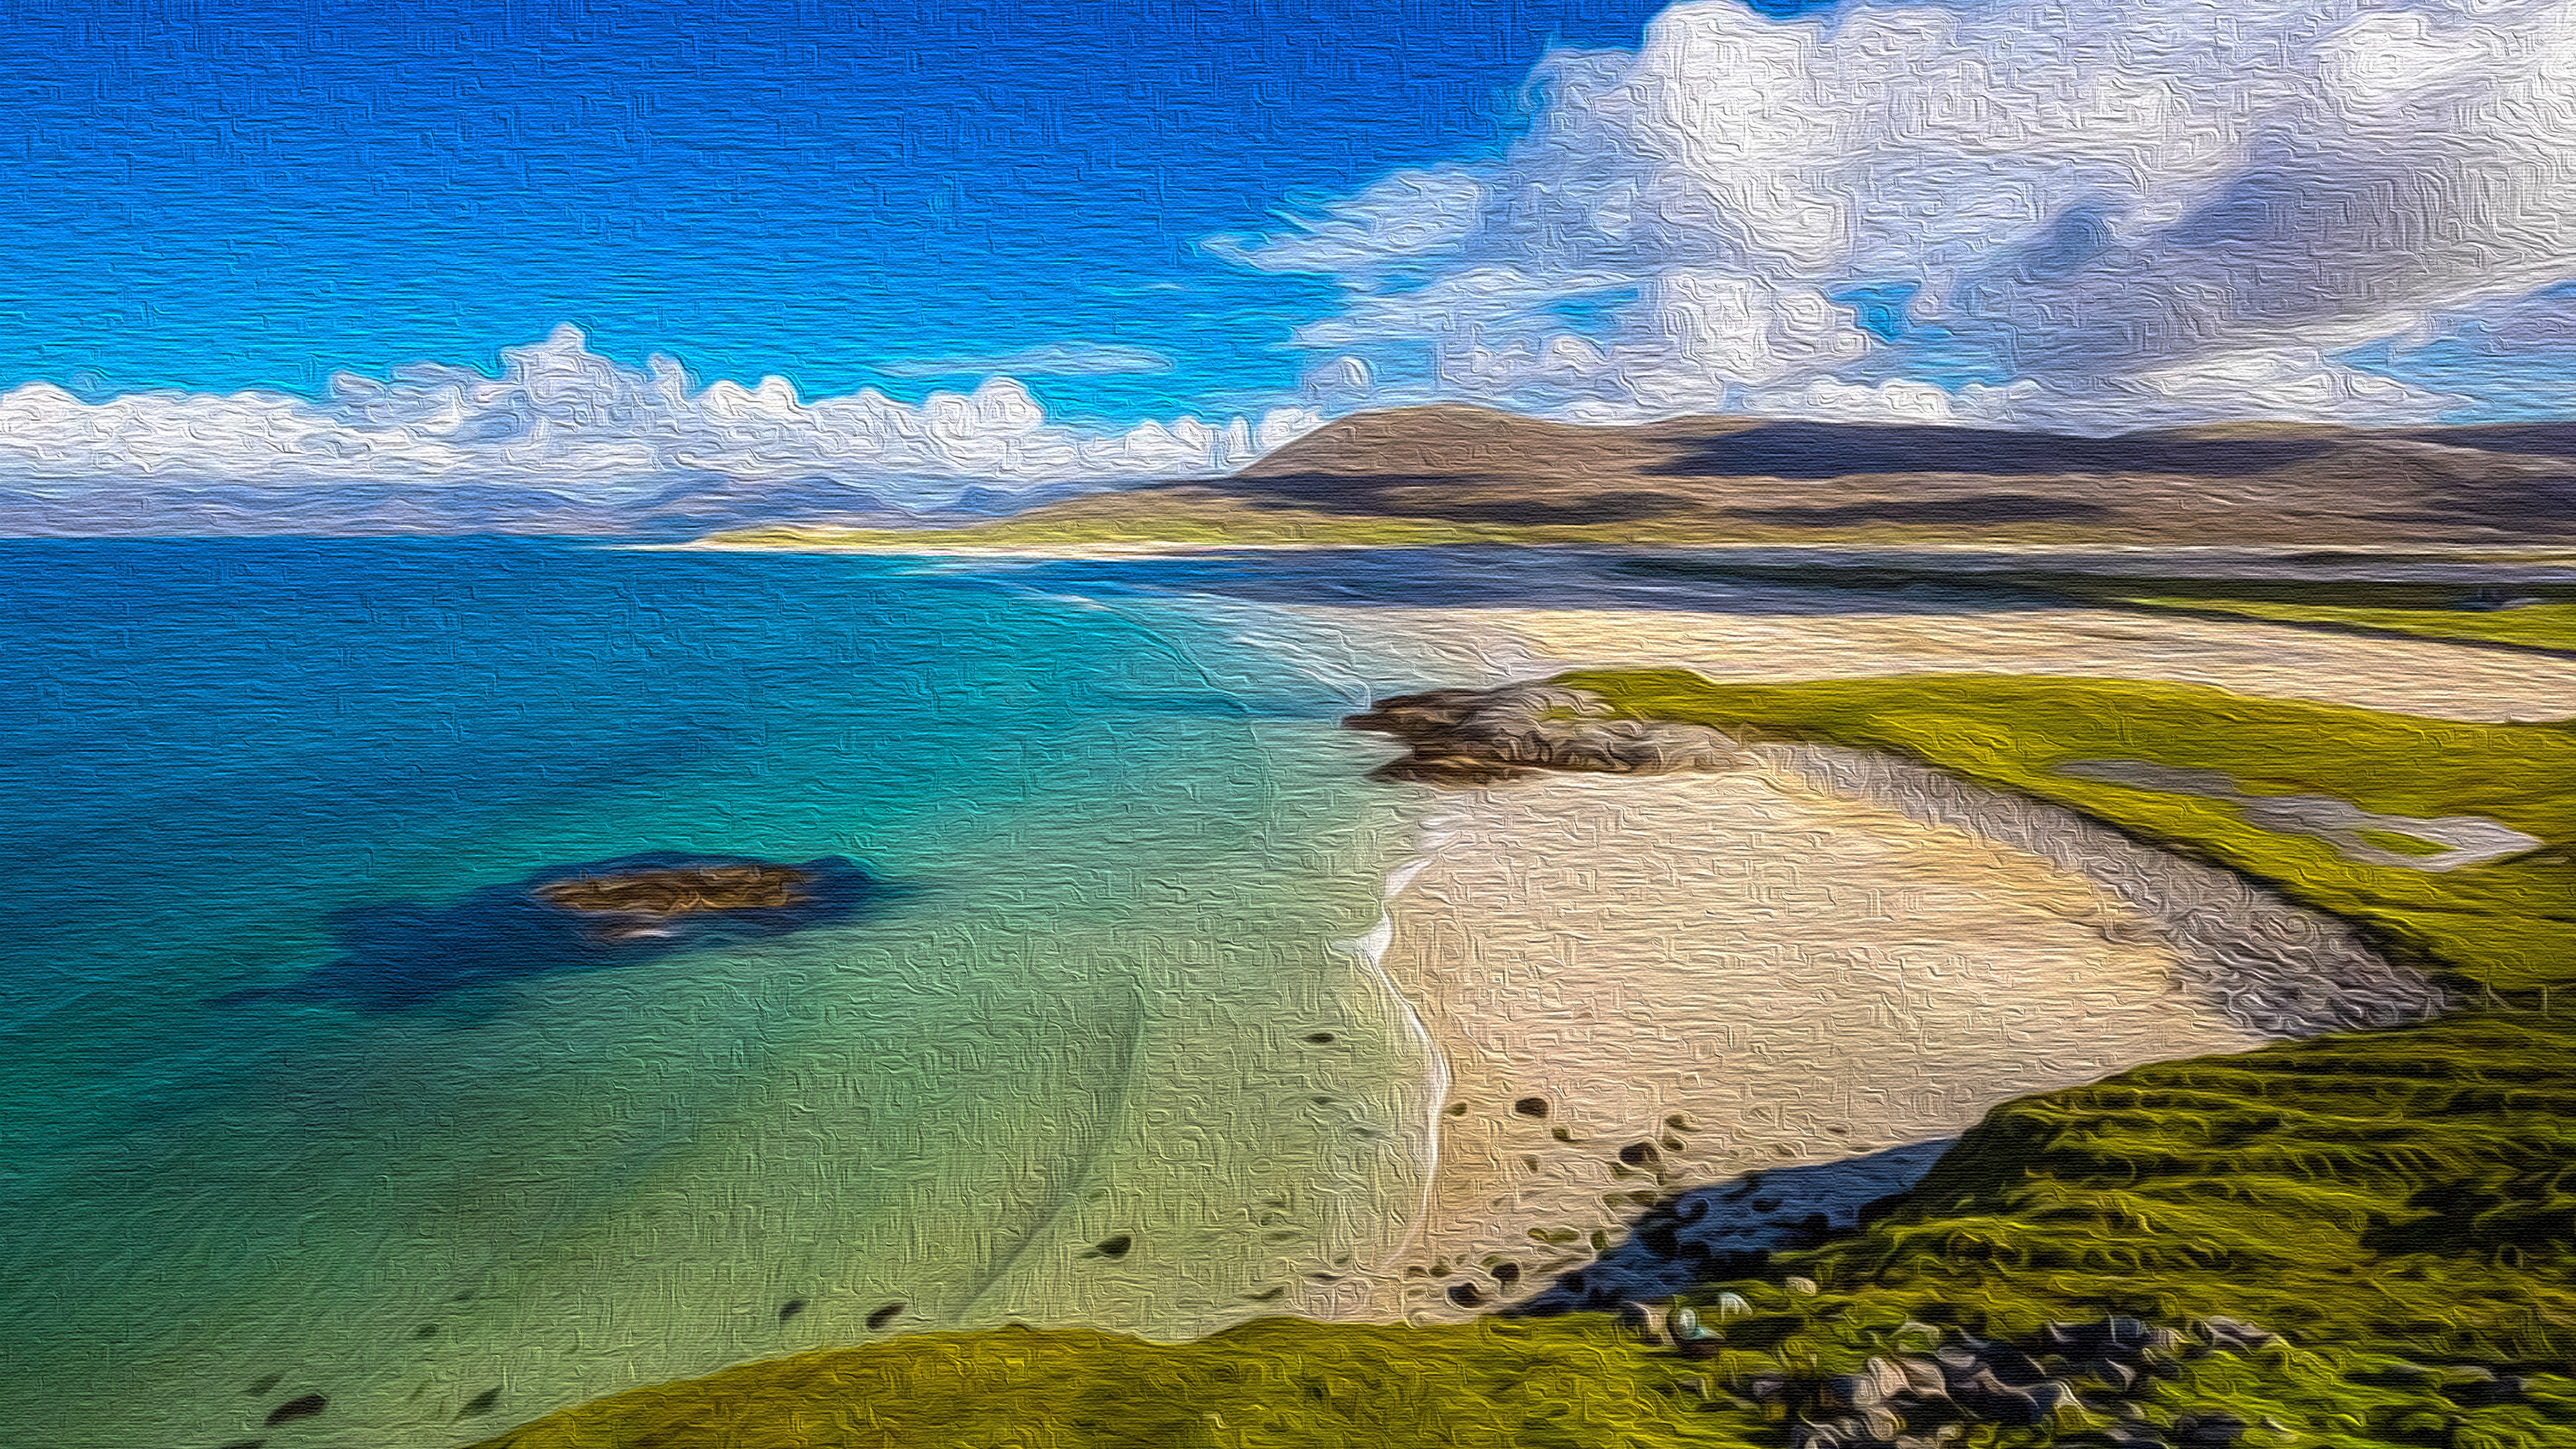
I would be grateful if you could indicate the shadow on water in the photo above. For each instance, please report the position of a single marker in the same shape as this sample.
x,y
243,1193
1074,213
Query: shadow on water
x,y
1730,1229
406,954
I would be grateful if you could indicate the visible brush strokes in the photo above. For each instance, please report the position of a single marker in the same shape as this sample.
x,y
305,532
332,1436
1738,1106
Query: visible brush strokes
x,y
595,916
2451,842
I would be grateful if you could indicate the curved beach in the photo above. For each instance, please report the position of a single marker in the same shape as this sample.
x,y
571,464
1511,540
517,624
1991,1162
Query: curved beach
x,y
1644,984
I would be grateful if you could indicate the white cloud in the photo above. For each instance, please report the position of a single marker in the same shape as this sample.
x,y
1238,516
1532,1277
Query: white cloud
x,y
1407,214
1061,359
2124,203
563,419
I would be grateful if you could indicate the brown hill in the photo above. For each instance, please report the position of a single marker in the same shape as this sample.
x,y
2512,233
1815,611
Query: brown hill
x,y
1765,479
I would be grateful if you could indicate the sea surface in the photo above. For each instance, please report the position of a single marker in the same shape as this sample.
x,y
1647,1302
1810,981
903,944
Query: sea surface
x,y
1093,1046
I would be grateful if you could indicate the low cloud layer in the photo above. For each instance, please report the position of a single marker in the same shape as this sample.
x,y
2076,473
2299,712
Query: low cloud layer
x,y
563,438
2070,213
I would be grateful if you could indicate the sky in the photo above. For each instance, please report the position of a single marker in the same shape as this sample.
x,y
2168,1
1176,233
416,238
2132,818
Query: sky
x,y
611,249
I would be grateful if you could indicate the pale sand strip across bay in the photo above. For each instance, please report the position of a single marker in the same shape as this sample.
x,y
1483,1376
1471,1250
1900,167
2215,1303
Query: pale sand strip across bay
x,y
1795,976
2412,676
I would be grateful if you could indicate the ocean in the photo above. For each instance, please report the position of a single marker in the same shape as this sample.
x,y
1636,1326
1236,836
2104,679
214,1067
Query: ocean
x,y
1094,1044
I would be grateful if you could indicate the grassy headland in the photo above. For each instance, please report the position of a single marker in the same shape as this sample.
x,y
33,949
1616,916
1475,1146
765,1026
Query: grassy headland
x,y
2399,1205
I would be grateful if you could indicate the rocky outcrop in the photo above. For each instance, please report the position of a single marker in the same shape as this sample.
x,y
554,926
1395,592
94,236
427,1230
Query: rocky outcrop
x,y
1944,1385
1480,736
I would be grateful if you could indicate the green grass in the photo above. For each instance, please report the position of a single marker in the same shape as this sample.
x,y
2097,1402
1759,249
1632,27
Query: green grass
x,y
2388,1201
2400,1204
1562,1384
2534,626
2508,927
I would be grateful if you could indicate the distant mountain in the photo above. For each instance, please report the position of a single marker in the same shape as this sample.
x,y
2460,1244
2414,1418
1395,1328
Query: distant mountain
x,y
1436,472
1755,478
684,509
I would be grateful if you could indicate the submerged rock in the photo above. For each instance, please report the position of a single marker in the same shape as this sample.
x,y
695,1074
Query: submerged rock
x,y
586,917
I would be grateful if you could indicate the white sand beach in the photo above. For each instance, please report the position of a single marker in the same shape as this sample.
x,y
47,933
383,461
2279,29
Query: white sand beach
x,y
1719,972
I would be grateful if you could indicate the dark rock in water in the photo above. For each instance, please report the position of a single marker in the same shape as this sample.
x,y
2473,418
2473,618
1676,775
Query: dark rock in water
x,y
1640,1154
1465,1295
264,1385
1114,1247
589,917
649,895
790,1309
883,1316
481,1403
292,1409
1531,1107
1321,1038
246,1444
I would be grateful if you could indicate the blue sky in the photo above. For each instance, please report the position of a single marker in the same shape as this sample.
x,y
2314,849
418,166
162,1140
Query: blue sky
x,y
267,247
250,193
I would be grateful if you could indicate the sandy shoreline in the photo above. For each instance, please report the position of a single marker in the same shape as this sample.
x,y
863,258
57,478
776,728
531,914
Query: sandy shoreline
x,y
1710,974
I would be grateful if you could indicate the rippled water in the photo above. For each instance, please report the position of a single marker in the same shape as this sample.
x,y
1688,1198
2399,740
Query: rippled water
x,y
1091,1055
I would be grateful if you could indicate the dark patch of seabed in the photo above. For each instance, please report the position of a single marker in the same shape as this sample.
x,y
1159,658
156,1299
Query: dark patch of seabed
x,y
406,954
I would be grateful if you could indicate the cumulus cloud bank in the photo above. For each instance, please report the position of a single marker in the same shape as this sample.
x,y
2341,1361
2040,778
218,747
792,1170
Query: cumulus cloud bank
x,y
567,435
2075,213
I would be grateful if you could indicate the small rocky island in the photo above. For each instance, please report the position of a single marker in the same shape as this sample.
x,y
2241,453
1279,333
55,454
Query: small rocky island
x,y
644,898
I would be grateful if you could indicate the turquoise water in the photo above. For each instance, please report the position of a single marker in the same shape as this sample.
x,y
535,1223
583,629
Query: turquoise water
x,y
1090,1053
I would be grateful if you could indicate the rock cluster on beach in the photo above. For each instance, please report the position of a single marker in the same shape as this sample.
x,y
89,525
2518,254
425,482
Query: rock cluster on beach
x,y
1478,736
1953,1384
